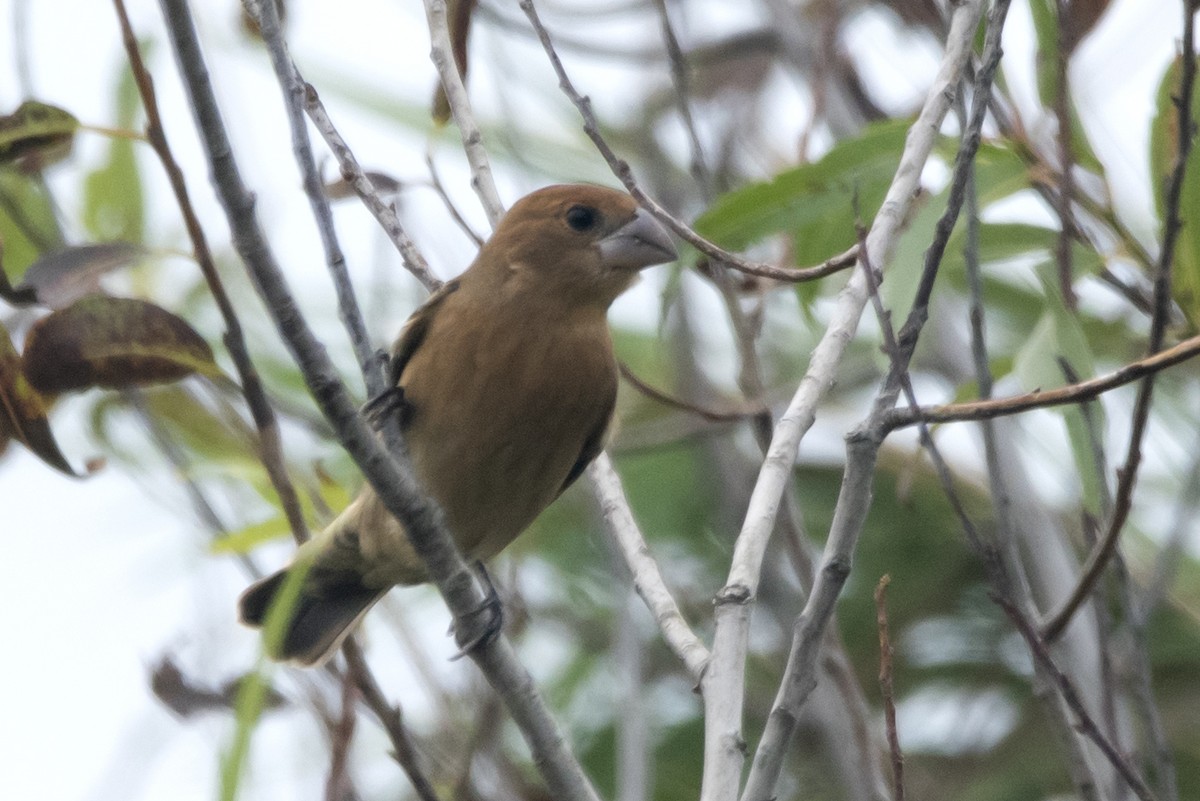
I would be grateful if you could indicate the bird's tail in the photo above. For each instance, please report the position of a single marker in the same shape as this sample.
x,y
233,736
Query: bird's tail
x,y
321,617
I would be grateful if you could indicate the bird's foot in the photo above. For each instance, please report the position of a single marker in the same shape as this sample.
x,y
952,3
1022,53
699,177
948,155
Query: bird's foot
x,y
389,402
486,620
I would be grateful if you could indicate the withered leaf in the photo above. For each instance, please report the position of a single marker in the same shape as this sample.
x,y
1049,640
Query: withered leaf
x,y
384,184
36,131
459,14
23,410
60,278
1081,19
250,24
185,697
102,341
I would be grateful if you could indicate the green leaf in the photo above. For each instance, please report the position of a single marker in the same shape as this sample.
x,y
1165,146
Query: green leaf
x,y
250,537
1164,149
27,222
1080,17
113,204
1059,337
813,202
37,131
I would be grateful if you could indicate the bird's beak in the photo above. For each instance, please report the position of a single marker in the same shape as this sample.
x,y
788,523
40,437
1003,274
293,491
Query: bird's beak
x,y
638,243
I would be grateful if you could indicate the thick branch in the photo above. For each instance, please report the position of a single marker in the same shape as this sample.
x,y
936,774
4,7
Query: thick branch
x,y
722,764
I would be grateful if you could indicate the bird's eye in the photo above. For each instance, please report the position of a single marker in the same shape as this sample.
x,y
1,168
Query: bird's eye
x,y
581,218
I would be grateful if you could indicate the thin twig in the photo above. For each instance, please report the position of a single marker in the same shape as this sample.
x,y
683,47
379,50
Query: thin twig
x,y
1071,394
390,717
435,181
387,469
294,89
886,688
1066,159
712,415
1127,476
682,94
1086,725
442,54
337,783
353,173
624,174
270,445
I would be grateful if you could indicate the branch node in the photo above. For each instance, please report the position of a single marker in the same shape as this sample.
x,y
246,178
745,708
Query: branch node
x,y
739,594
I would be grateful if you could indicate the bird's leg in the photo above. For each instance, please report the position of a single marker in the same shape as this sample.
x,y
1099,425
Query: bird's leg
x,y
492,613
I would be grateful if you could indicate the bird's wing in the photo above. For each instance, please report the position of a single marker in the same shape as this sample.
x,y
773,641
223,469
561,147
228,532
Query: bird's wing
x,y
414,331
392,400
591,446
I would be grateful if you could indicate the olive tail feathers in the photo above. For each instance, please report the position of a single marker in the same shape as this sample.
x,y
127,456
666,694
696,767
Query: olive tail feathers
x,y
319,622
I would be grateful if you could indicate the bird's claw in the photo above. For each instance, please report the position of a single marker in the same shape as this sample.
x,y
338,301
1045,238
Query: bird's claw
x,y
390,401
492,613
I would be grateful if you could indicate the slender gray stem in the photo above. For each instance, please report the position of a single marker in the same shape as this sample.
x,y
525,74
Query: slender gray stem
x,y
294,89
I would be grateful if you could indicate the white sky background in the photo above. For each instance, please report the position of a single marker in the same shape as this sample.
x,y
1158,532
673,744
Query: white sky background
x,y
97,580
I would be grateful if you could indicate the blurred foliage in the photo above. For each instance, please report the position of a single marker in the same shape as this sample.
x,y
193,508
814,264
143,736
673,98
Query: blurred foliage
x,y
689,480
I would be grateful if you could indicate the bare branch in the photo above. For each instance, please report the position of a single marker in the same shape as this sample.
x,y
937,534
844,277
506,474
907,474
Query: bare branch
x,y
1127,475
886,688
647,578
358,179
711,415
390,717
1072,393
623,173
681,80
863,443
294,89
442,55
1086,724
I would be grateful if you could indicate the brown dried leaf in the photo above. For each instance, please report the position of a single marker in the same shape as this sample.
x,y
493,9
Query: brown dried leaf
x,y
23,410
384,184
102,341
250,24
1081,19
36,132
185,697
459,14
60,278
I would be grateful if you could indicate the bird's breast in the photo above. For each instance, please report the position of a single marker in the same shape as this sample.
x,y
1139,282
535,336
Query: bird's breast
x,y
499,418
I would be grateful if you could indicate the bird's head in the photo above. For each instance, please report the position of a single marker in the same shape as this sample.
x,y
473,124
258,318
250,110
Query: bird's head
x,y
583,244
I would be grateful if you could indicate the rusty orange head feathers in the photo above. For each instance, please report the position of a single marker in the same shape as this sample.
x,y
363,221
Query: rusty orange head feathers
x,y
581,241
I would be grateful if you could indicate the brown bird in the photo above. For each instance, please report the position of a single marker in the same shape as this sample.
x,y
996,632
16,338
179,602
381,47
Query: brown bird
x,y
507,382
